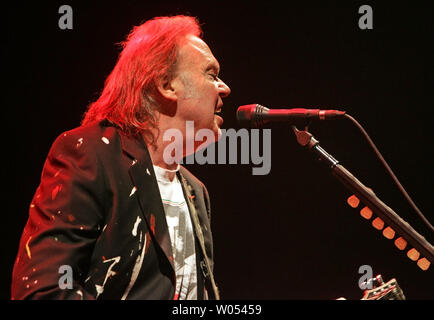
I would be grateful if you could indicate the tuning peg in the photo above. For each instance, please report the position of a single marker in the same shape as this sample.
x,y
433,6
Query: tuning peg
x,y
413,254
366,213
353,201
423,263
400,243
389,233
377,223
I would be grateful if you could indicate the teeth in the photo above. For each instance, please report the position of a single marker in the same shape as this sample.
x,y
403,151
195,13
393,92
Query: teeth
x,y
218,109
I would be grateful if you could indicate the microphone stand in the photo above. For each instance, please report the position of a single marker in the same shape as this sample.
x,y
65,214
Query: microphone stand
x,y
367,196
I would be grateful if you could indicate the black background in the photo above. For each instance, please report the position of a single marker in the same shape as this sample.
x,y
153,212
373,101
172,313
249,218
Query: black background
x,y
288,234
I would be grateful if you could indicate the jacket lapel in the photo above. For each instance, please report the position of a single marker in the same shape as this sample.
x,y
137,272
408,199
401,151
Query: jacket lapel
x,y
206,264
146,190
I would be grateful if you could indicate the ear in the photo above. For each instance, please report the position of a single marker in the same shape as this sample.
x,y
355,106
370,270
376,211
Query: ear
x,y
167,88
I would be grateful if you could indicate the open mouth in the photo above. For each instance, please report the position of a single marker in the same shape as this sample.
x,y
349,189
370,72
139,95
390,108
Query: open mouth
x,y
217,114
218,109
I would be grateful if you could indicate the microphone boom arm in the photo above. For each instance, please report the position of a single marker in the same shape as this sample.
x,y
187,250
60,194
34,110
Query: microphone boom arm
x,y
368,197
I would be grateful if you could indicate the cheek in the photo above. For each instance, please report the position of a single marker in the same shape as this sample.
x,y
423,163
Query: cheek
x,y
198,102
205,101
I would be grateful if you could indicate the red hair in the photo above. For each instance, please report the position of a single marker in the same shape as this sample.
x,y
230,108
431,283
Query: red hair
x,y
149,53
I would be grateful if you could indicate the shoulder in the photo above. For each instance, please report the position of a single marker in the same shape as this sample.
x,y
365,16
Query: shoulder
x,y
94,137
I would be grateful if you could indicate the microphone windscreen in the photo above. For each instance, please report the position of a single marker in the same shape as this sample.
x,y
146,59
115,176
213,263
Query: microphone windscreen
x,y
245,113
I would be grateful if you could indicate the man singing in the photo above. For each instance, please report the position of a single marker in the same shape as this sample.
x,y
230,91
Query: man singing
x,y
111,219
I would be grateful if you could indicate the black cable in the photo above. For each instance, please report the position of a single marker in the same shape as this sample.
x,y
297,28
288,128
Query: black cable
x,y
389,170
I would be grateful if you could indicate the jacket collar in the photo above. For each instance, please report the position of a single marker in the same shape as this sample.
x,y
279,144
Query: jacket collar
x,y
142,175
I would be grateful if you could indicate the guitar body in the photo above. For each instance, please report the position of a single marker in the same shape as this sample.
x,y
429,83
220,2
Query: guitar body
x,y
384,291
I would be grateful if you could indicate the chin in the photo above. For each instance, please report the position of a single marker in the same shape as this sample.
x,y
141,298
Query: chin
x,y
215,128
218,134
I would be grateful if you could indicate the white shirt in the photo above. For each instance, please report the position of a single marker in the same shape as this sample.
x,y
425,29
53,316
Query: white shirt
x,y
181,233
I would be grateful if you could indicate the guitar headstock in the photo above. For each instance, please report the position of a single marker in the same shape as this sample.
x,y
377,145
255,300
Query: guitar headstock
x,y
389,233
383,291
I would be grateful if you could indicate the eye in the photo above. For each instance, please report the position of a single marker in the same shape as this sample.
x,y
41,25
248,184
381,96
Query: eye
x,y
214,76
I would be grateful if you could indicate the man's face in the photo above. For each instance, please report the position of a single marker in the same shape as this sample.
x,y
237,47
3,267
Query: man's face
x,y
200,91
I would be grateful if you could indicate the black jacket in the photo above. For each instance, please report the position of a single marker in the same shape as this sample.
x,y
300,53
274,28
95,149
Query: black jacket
x,y
98,209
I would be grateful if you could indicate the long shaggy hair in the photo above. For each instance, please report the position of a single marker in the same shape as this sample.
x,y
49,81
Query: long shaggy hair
x,y
149,53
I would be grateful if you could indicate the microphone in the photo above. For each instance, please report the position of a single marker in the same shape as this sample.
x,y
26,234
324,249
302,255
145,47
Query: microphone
x,y
258,115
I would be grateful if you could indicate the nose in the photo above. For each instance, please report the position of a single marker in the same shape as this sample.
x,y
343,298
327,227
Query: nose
x,y
224,89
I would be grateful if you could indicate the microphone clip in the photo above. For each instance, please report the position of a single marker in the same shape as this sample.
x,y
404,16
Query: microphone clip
x,y
305,138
